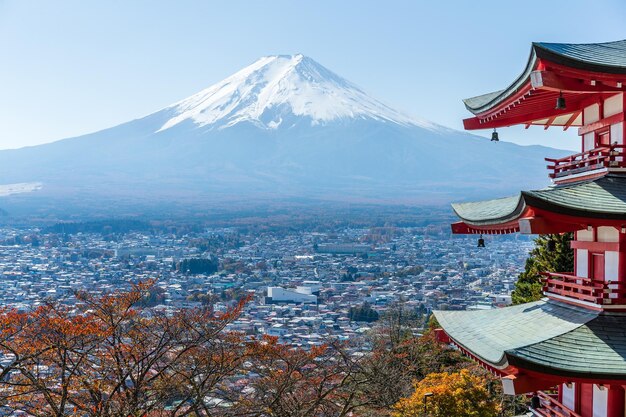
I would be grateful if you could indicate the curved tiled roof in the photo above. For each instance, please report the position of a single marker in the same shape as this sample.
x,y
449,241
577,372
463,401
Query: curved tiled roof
x,y
602,57
597,348
544,336
608,57
500,210
603,198
488,334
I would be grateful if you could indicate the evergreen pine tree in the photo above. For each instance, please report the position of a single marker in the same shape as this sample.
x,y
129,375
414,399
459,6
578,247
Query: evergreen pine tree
x,y
552,253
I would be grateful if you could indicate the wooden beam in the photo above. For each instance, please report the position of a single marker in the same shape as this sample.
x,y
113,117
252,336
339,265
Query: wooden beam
x,y
607,121
583,74
548,80
523,384
571,120
540,226
595,246
549,122
474,123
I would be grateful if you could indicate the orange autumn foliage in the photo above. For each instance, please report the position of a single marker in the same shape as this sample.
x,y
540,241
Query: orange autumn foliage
x,y
294,382
104,357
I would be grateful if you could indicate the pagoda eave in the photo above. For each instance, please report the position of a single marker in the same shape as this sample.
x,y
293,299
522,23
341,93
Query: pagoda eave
x,y
557,343
517,369
548,223
556,375
537,222
462,228
556,209
552,71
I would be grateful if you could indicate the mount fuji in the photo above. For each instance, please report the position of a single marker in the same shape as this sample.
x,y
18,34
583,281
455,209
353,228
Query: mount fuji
x,y
283,127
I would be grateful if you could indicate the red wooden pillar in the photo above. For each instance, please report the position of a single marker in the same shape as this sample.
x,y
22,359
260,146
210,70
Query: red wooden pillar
x,y
623,124
615,401
586,400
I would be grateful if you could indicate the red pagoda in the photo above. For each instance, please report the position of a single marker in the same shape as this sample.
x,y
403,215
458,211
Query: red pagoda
x,y
568,349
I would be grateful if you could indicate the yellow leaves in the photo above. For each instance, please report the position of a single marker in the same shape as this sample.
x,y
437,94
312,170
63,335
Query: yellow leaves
x,y
459,394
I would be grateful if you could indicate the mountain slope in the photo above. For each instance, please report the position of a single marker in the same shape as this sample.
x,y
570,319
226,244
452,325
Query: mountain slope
x,y
282,127
282,90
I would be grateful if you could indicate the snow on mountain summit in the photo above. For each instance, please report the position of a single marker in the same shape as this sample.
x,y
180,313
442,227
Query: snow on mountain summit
x,y
278,90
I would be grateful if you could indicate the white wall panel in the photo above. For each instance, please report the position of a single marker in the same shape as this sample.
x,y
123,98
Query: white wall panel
x,y
614,105
589,141
617,133
582,263
584,235
600,397
569,399
611,260
608,234
591,114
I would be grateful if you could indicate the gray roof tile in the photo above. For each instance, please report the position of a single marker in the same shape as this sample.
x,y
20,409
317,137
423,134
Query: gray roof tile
x,y
488,334
603,197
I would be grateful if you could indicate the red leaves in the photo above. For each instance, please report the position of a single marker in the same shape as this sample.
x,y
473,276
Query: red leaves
x,y
104,357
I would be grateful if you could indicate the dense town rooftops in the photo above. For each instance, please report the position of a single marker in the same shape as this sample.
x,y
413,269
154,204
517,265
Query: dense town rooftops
x,y
575,71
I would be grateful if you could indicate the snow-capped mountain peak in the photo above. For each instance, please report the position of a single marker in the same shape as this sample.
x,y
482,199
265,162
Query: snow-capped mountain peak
x,y
280,90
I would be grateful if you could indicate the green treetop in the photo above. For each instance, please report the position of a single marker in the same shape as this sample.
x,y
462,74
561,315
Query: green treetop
x,y
552,253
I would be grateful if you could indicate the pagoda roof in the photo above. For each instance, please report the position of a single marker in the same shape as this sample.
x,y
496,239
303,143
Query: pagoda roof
x,y
489,334
596,349
609,57
601,198
490,212
557,68
545,336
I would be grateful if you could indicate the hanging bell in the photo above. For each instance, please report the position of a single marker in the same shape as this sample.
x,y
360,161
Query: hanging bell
x,y
481,242
560,102
494,136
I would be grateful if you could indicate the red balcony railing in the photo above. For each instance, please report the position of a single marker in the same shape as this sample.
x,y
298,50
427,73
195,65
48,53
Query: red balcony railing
x,y
610,156
584,289
550,407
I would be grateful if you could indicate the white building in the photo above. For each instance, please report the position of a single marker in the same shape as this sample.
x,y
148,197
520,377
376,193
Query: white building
x,y
282,295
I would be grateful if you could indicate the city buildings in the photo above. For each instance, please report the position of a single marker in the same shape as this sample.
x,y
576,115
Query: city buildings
x,y
423,268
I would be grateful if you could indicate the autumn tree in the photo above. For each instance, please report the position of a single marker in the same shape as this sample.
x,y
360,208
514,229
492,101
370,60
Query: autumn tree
x,y
552,253
49,351
105,357
443,394
322,381
390,370
397,324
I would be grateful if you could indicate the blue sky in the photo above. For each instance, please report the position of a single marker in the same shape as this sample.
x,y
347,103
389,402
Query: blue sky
x,y
72,67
